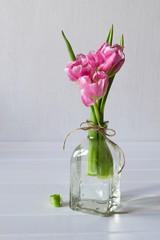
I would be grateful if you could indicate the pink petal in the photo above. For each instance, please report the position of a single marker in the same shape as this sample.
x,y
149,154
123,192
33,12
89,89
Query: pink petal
x,y
83,59
83,82
70,74
102,87
99,75
86,100
77,70
103,46
91,91
118,66
108,64
93,59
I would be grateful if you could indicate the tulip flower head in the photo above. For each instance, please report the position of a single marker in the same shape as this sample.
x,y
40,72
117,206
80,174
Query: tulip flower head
x,y
92,71
113,58
78,68
93,89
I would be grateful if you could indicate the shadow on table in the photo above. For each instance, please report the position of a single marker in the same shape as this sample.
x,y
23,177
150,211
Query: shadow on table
x,y
143,201
66,204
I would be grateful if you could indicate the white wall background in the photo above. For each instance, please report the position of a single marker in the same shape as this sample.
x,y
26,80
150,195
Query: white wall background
x,y
39,103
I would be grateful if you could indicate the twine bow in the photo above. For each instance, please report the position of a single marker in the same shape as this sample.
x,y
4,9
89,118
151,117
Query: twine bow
x,y
103,131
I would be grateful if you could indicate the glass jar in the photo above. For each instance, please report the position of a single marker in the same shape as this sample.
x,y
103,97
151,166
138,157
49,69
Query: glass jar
x,y
94,178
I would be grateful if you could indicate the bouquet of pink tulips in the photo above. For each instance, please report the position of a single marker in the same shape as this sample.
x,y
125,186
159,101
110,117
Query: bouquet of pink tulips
x,y
94,73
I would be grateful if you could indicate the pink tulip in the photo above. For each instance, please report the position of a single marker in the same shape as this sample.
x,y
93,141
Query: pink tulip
x,y
92,71
92,90
113,58
78,68
95,59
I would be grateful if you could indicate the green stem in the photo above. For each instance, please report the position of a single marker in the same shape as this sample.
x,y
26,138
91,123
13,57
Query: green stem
x,y
97,113
93,148
106,95
105,159
100,160
99,103
93,116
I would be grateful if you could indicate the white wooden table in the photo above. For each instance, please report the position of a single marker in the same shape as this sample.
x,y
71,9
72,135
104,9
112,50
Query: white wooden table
x,y
31,172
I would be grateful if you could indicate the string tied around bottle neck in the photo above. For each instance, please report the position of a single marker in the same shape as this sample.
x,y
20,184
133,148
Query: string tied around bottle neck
x,y
104,131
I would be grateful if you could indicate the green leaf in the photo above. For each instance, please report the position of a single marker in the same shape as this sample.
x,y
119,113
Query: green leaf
x,y
122,41
70,50
110,36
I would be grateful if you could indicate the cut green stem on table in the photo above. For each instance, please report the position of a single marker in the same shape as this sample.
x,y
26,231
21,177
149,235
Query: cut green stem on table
x,y
56,200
